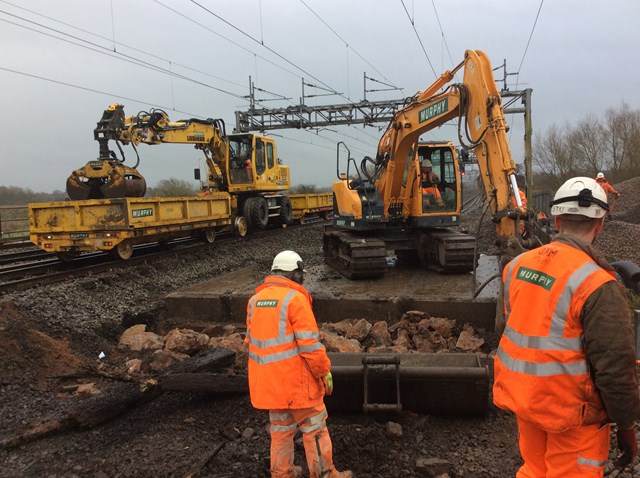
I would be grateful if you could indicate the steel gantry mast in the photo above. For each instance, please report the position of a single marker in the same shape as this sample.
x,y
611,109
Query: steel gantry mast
x,y
302,116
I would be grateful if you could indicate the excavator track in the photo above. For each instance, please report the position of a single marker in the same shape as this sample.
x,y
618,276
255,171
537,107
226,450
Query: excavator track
x,y
447,251
355,257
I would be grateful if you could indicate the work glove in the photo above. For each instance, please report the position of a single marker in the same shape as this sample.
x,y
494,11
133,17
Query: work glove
x,y
627,445
617,194
328,384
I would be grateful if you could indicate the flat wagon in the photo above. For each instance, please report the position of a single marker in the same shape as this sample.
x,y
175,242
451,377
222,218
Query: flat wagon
x,y
69,228
307,206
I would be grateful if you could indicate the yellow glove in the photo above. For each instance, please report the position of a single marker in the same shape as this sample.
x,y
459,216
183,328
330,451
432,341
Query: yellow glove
x,y
328,384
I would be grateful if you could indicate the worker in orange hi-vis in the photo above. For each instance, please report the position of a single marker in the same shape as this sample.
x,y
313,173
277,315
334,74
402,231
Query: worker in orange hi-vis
x,y
430,193
609,190
289,370
566,361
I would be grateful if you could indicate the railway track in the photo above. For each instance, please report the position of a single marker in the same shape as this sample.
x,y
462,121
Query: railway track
x,y
22,271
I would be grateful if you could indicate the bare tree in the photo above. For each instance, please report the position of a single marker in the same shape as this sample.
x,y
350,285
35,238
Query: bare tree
x,y
553,155
622,131
586,143
172,187
610,144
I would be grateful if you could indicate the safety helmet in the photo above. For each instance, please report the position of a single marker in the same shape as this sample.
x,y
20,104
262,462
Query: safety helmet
x,y
582,196
600,176
287,261
427,164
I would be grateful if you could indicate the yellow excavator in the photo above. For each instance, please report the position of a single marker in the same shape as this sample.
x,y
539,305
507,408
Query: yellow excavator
x,y
408,199
244,165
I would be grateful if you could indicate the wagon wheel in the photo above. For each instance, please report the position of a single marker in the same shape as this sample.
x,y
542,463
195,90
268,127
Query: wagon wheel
x,y
123,251
240,226
209,235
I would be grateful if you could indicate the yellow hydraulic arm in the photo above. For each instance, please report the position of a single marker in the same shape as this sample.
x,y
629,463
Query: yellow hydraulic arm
x,y
156,128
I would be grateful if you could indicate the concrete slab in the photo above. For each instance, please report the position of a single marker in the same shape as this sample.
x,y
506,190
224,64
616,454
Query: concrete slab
x,y
336,298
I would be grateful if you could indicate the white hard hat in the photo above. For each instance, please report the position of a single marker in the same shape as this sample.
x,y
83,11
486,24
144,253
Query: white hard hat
x,y
287,261
427,164
582,196
600,175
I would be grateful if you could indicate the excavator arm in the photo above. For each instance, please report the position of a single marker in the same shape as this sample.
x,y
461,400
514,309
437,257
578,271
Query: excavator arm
x,y
108,177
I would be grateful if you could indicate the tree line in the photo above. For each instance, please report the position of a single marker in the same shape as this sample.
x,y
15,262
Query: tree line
x,y
609,143
172,187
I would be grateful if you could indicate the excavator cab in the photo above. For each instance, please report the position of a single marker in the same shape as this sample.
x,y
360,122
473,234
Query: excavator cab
x,y
253,164
438,178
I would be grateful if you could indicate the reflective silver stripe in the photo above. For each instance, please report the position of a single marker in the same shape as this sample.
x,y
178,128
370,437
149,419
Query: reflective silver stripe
x,y
541,369
310,348
280,416
276,357
307,335
316,418
282,326
316,422
586,461
313,428
559,319
263,344
283,428
507,284
252,305
543,343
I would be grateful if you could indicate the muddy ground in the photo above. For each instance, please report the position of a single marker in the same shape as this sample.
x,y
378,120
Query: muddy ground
x,y
50,334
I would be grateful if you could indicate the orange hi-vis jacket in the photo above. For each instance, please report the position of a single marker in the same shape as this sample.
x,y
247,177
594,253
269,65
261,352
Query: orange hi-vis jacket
x,y
287,362
604,184
523,199
541,370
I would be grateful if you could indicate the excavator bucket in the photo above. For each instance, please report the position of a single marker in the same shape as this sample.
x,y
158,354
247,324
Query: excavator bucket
x,y
105,180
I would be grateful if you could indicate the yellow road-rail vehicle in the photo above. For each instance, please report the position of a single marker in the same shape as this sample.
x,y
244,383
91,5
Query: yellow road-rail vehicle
x,y
246,188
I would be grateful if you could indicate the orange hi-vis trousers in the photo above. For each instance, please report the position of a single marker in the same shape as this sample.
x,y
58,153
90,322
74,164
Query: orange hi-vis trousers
x,y
315,436
578,452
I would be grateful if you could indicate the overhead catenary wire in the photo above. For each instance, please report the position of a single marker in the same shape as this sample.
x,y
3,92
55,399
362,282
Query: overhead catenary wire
x,y
282,57
418,37
526,49
114,53
261,43
349,47
444,39
93,90
95,47
128,46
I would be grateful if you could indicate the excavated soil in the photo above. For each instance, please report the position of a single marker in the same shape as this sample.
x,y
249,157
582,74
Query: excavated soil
x,y
50,336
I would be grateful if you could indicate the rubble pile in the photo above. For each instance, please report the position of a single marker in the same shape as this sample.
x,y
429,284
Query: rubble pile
x,y
151,352
416,331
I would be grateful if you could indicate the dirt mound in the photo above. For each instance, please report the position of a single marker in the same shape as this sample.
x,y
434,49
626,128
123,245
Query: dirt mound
x,y
28,354
627,205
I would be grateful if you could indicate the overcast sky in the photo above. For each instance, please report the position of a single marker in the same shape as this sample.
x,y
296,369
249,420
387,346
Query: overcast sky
x,y
62,62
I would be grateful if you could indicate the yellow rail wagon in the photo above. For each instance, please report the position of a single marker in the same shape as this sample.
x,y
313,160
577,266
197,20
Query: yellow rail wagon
x,y
71,227
306,206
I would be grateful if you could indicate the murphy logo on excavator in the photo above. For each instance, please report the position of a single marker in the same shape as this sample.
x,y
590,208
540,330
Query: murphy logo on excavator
x,y
434,110
196,136
535,277
267,303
